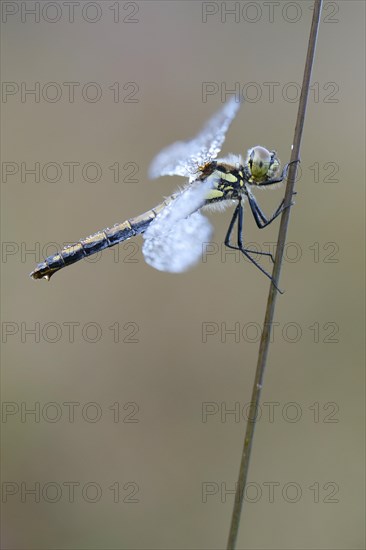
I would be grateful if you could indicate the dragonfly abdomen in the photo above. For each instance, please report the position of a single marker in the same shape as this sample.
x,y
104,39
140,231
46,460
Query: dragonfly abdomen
x,y
96,243
85,247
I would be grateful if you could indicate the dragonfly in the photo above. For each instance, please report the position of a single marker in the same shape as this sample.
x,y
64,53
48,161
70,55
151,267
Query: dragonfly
x,y
176,230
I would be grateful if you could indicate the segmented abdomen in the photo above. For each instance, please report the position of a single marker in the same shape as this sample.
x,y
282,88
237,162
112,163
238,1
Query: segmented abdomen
x,y
97,242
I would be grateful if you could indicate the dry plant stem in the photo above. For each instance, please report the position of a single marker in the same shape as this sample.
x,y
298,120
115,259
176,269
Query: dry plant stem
x,y
265,338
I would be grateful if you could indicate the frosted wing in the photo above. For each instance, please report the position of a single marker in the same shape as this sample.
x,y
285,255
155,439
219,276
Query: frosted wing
x,y
184,157
174,240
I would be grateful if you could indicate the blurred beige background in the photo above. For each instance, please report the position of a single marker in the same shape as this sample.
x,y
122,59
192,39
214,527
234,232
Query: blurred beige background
x,y
132,444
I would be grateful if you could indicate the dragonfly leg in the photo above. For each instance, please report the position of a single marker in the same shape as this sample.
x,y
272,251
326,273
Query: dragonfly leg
x,y
230,230
238,216
259,216
231,226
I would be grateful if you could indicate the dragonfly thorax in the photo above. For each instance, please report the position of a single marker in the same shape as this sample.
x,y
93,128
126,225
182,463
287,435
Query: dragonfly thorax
x,y
226,181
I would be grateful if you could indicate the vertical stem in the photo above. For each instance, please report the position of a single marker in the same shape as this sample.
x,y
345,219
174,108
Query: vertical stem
x,y
265,338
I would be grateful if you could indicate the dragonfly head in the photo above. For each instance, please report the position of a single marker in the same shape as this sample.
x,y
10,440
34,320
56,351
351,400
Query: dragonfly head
x,y
263,165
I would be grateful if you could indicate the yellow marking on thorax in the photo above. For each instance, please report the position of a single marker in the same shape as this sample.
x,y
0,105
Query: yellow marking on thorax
x,y
214,194
228,177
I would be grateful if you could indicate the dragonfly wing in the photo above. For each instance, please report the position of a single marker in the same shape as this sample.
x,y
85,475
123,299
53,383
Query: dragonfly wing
x,y
183,158
174,240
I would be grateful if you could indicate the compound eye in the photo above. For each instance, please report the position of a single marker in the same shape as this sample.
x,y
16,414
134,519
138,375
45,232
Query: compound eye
x,y
274,165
